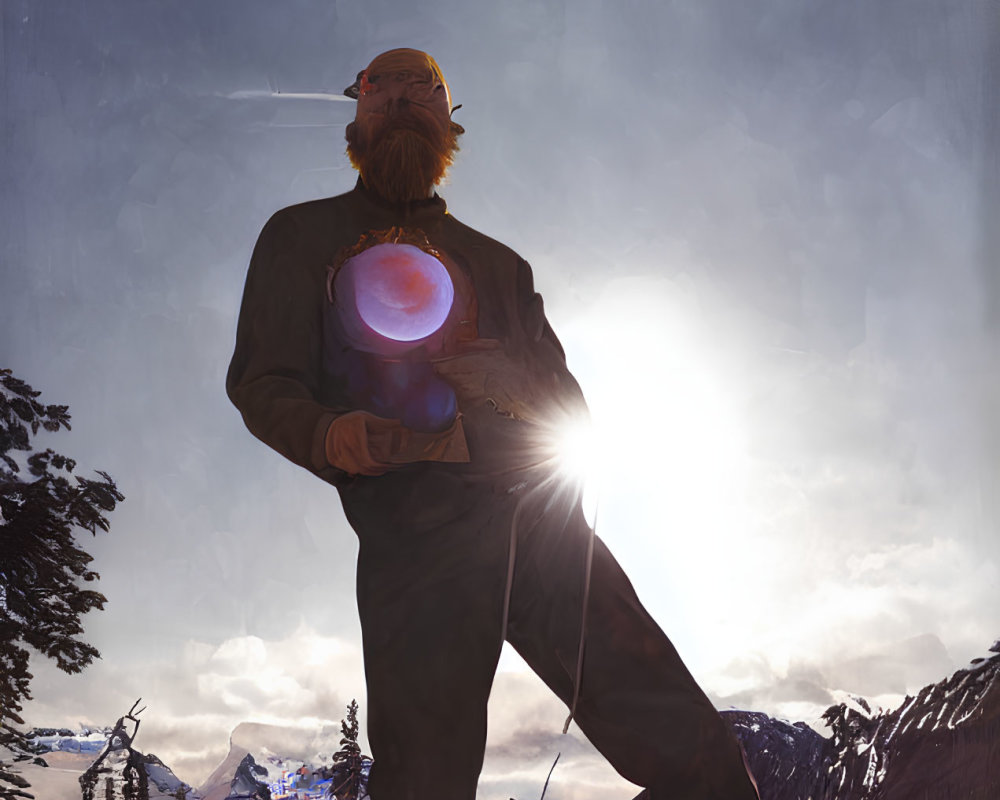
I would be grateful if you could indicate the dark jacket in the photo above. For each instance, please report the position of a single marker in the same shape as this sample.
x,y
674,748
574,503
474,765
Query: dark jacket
x,y
276,377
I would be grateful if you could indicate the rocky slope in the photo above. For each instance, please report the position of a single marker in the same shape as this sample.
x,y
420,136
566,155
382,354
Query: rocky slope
x,y
943,743
249,782
121,771
283,760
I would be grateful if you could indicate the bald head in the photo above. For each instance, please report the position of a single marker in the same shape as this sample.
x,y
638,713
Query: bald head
x,y
404,61
402,139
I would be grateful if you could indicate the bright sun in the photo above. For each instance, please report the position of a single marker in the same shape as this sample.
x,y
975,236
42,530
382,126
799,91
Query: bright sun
x,y
665,454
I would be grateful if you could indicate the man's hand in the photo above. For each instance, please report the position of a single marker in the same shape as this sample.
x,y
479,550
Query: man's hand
x,y
483,373
361,443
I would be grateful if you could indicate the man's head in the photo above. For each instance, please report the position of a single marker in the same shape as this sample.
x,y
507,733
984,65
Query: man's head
x,y
402,140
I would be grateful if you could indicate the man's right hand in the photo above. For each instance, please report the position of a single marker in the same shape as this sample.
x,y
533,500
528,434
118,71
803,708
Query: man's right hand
x,y
360,443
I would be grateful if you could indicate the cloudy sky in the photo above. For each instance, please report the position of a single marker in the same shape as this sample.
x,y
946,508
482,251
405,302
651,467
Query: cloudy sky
x,y
761,230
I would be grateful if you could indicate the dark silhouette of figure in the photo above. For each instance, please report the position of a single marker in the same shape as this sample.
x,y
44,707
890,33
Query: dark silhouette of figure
x,y
468,534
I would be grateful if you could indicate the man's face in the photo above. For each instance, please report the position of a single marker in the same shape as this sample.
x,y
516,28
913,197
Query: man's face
x,y
402,139
402,93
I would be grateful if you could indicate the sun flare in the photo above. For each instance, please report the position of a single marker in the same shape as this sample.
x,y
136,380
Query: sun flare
x,y
665,451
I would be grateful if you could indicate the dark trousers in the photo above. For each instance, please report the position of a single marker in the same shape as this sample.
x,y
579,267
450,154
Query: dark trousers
x,y
430,596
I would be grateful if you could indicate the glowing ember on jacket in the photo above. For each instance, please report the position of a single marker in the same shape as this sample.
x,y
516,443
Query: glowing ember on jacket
x,y
400,291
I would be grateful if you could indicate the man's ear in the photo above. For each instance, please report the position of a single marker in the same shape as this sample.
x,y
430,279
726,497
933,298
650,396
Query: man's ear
x,y
458,129
354,90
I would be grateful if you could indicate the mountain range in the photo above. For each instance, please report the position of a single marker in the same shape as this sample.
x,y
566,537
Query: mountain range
x,y
943,742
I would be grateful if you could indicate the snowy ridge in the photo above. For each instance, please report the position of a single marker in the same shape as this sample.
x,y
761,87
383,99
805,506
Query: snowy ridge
x,y
63,740
287,761
944,742
285,778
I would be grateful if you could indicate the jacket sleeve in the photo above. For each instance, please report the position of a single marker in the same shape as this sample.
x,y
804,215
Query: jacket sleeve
x,y
546,350
275,373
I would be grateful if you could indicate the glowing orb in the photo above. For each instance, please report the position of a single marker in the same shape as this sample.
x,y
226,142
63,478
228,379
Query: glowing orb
x,y
400,291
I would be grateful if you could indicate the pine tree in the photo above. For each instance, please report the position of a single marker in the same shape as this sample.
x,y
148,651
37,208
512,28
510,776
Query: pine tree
x,y
41,601
349,780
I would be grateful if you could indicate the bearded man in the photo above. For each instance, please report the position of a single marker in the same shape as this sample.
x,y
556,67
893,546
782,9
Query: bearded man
x,y
467,536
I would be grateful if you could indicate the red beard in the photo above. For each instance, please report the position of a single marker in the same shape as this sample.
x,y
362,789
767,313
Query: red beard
x,y
404,159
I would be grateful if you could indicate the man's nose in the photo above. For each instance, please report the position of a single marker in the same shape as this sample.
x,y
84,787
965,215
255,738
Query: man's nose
x,y
396,104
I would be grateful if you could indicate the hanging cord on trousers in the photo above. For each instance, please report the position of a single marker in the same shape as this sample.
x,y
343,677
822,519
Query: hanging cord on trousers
x,y
583,621
511,555
546,786
512,558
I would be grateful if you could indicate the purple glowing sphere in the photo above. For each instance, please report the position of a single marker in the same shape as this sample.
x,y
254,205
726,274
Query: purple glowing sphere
x,y
400,291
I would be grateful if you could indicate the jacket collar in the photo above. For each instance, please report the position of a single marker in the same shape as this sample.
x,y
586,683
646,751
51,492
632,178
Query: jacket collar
x,y
412,212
